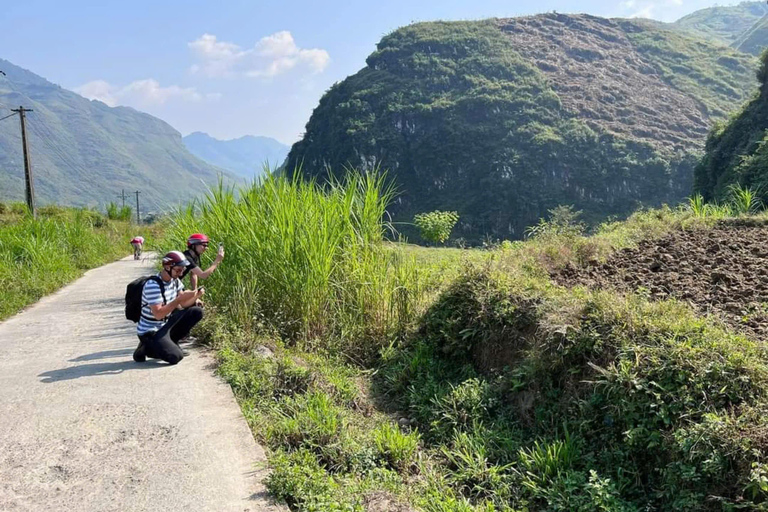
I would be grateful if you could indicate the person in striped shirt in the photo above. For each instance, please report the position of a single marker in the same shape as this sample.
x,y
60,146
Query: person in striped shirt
x,y
168,312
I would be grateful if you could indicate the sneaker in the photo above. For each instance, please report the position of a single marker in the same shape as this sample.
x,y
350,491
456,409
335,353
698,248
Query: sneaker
x,y
139,354
187,339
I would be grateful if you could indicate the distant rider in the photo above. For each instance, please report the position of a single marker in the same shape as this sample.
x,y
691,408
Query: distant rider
x,y
167,315
196,246
138,243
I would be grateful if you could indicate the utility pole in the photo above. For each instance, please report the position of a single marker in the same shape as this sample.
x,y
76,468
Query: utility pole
x,y
123,197
138,218
27,165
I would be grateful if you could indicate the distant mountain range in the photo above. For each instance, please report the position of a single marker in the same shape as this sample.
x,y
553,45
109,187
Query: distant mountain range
x,y
245,156
84,152
743,26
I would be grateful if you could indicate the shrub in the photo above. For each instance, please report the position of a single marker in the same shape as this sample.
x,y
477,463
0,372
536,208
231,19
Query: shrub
x,y
118,213
436,226
395,448
562,222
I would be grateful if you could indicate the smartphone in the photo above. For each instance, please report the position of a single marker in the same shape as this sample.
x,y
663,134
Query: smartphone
x,y
221,244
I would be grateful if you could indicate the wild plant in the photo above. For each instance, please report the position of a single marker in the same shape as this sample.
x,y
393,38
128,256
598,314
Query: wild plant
x,y
744,200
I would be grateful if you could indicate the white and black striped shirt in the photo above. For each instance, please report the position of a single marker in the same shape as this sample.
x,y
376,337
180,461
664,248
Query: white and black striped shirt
x,y
150,296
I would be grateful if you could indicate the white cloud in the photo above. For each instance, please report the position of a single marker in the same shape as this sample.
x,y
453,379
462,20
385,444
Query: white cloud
x,y
271,56
141,93
659,9
646,12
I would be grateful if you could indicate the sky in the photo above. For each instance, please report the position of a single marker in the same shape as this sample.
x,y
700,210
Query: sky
x,y
239,67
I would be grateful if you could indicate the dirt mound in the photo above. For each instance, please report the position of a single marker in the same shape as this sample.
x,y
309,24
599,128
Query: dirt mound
x,y
723,270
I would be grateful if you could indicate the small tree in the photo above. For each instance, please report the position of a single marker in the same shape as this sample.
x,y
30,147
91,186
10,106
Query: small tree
x,y
436,226
118,213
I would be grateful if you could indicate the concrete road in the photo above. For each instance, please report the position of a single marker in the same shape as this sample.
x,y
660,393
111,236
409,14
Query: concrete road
x,y
84,428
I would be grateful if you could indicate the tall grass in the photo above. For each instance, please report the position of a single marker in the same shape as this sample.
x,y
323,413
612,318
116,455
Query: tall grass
x,y
744,200
37,256
307,261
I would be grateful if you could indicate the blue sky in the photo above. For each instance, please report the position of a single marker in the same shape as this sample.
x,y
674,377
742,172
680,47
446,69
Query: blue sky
x,y
238,67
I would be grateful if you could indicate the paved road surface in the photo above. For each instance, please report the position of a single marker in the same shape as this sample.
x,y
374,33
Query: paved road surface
x,y
84,428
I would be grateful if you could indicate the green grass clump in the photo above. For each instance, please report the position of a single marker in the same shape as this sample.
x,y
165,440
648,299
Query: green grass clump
x,y
38,256
306,262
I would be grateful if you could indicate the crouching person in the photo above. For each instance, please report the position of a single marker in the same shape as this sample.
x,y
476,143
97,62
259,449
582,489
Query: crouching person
x,y
168,312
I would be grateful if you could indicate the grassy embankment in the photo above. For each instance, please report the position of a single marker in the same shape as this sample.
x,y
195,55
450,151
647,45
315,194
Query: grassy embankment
x,y
443,382
39,256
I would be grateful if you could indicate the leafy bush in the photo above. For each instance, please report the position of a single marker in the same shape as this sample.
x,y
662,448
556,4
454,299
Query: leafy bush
x,y
562,222
395,448
118,213
436,226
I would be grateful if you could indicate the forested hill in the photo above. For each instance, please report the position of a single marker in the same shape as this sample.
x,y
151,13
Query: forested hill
x,y
725,23
504,119
84,152
736,152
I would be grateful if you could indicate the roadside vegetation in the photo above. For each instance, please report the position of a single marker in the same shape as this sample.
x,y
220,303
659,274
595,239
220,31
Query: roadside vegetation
x,y
38,256
383,376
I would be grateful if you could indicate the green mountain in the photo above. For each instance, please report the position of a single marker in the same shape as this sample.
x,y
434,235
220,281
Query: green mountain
x,y
755,39
726,24
504,119
84,152
245,156
736,151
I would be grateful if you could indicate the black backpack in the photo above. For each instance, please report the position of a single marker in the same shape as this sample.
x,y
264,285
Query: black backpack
x,y
133,291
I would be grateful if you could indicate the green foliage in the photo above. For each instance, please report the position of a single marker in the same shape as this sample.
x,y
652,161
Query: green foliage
x,y
436,226
744,201
118,213
562,222
736,153
395,448
37,256
702,209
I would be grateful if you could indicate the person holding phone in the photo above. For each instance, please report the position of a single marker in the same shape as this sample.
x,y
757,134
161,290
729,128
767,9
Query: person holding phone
x,y
168,312
197,244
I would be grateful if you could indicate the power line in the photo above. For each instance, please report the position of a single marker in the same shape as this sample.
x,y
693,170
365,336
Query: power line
x,y
6,117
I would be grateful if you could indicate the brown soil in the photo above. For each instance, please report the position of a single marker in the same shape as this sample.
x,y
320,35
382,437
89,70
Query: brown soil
x,y
723,271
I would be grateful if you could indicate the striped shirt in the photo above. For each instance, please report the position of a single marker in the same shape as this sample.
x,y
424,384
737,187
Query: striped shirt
x,y
150,296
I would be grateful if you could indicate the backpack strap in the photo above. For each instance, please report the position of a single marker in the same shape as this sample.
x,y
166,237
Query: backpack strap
x,y
161,284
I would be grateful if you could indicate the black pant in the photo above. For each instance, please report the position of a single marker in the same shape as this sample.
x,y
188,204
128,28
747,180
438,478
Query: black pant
x,y
163,344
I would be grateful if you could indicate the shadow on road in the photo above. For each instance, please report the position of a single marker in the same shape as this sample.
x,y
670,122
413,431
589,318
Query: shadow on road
x,y
106,354
91,370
